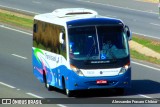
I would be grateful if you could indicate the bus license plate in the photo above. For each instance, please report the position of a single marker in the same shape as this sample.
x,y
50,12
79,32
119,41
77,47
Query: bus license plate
x,y
101,81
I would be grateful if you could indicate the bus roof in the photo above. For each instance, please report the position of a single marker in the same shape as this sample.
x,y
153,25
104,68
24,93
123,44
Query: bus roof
x,y
64,15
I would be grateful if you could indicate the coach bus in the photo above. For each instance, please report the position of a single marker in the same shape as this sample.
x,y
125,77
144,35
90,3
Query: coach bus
x,y
76,49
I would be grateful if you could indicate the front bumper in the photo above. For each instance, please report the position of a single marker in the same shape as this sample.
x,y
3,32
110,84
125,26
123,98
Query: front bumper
x,y
81,82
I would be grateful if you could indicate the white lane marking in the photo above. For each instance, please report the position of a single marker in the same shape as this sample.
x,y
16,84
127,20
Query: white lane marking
x,y
19,9
37,96
7,85
110,16
19,56
15,30
79,0
126,8
34,95
132,61
32,34
36,2
146,35
60,105
145,66
145,96
155,24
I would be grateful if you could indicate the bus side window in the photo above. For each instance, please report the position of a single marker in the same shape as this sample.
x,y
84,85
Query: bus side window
x,y
35,28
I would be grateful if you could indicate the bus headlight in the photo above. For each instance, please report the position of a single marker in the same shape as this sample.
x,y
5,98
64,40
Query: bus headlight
x,y
124,68
76,70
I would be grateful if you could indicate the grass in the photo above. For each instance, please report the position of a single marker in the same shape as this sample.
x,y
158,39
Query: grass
x,y
16,20
152,44
25,22
139,56
152,1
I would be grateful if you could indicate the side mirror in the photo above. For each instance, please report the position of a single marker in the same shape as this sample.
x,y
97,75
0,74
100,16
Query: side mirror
x,y
61,38
129,35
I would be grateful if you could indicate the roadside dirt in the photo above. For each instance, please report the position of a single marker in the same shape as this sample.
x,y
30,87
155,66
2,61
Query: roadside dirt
x,y
133,45
16,14
143,50
150,1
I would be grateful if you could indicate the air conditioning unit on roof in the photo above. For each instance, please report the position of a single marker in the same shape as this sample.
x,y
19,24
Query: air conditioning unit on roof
x,y
73,11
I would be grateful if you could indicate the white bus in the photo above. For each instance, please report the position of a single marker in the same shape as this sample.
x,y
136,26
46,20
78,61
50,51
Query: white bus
x,y
76,49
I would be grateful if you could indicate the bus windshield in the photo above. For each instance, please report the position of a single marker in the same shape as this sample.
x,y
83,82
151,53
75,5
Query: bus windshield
x,y
97,42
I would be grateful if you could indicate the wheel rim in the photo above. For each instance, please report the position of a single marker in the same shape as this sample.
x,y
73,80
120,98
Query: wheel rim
x,y
67,91
47,85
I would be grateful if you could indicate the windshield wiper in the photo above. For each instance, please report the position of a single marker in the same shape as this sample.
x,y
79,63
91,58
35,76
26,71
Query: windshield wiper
x,y
91,50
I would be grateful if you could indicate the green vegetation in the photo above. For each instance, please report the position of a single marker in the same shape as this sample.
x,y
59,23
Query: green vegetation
x,y
152,1
15,20
25,22
152,44
139,56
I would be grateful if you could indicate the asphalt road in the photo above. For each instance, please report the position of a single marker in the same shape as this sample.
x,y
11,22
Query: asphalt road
x,y
16,71
141,17
15,53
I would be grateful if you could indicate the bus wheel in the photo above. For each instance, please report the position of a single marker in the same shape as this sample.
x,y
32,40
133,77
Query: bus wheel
x,y
49,87
69,93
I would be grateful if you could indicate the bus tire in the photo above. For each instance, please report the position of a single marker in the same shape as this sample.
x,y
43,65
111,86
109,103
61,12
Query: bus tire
x,y
69,93
49,87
